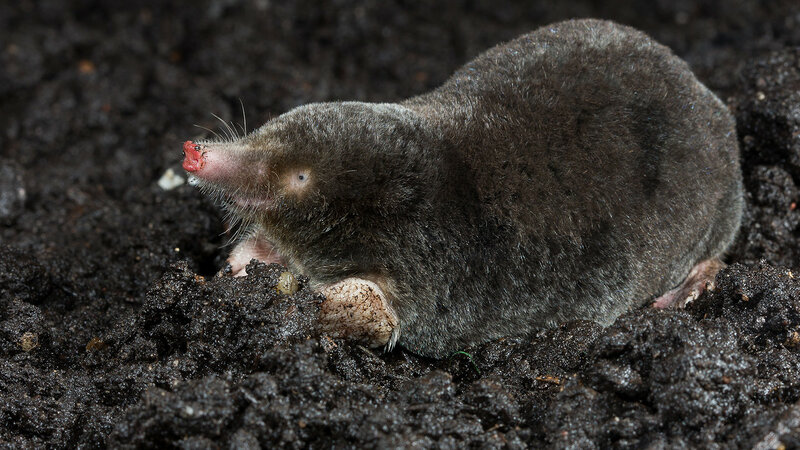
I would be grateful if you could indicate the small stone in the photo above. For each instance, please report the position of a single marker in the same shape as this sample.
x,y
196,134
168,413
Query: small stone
x,y
95,344
86,66
170,180
287,283
793,340
29,341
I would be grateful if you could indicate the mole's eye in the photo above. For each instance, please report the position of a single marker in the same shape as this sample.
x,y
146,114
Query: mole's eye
x,y
298,179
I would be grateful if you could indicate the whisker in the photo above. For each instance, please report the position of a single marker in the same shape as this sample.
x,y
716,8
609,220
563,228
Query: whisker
x,y
230,132
244,133
235,130
244,116
210,131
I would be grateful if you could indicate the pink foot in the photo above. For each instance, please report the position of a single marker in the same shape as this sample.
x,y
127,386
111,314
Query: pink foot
x,y
700,278
253,247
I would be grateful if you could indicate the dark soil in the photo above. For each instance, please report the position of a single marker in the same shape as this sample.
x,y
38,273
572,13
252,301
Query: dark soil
x,y
114,331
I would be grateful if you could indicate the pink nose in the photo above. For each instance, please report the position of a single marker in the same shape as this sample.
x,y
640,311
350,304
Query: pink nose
x,y
194,160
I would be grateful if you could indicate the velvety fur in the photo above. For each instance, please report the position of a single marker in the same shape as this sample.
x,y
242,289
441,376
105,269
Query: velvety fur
x,y
572,173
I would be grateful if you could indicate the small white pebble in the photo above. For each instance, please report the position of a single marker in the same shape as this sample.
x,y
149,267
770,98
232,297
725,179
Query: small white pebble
x,y
170,180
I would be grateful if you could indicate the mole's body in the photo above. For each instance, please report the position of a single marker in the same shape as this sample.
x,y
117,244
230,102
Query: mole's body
x,y
572,173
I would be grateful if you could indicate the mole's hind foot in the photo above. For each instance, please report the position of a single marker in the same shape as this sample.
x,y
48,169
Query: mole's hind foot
x,y
357,309
700,278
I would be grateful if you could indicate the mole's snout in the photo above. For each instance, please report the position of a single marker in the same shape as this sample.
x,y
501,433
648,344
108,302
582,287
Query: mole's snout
x,y
194,159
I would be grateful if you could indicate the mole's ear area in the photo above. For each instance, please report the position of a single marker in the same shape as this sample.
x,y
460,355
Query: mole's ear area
x,y
373,157
407,169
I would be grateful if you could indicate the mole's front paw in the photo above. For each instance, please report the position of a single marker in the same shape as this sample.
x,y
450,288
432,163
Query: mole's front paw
x,y
357,309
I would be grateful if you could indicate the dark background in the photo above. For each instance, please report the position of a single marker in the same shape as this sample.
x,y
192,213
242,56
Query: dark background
x,y
110,334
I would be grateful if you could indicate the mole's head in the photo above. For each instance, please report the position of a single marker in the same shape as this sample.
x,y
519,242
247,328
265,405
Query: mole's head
x,y
318,163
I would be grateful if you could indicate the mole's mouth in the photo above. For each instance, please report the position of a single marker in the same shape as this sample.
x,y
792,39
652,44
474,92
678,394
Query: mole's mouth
x,y
251,202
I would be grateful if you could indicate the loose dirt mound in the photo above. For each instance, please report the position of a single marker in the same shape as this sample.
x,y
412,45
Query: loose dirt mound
x,y
115,331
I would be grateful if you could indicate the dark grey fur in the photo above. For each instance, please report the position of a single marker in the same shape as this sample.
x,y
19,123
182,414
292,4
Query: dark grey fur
x,y
572,173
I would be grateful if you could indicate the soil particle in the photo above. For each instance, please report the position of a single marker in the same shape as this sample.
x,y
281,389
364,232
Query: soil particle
x,y
116,332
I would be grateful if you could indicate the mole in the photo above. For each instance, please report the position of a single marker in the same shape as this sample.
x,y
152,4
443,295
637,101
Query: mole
x,y
576,172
